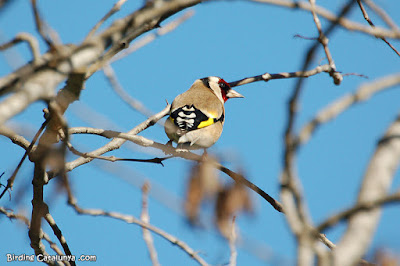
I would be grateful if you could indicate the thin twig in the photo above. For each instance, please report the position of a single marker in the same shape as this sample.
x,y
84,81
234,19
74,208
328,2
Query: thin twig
x,y
337,77
142,141
287,182
241,179
56,249
361,206
116,143
116,7
29,39
232,243
366,17
40,25
58,234
123,95
283,75
115,159
380,12
10,181
15,138
376,183
175,203
120,33
133,220
152,36
291,194
123,43
10,214
338,106
144,217
340,20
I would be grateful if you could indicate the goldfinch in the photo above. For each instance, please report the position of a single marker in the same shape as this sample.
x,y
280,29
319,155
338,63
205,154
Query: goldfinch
x,y
197,115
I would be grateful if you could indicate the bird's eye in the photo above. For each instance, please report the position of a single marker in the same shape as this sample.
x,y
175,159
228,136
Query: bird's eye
x,y
223,85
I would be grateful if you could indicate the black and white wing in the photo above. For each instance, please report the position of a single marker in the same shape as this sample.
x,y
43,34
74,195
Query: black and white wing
x,y
189,118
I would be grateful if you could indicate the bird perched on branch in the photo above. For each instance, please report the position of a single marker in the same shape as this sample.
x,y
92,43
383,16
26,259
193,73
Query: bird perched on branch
x,y
197,115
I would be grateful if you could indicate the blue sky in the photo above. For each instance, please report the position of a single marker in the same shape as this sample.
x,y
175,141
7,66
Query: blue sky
x,y
233,41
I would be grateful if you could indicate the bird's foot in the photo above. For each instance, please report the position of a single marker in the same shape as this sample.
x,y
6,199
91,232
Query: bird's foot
x,y
178,150
182,147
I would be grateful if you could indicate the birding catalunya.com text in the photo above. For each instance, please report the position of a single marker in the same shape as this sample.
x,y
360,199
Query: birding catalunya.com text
x,y
48,258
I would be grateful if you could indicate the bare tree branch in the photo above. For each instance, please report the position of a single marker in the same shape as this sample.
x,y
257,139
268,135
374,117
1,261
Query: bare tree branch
x,y
40,26
144,217
382,13
38,210
15,138
132,220
10,214
116,7
29,39
363,93
116,143
376,183
337,77
366,17
40,80
115,159
123,95
111,76
142,141
10,181
232,243
58,234
283,75
345,23
152,36
359,207
57,107
292,197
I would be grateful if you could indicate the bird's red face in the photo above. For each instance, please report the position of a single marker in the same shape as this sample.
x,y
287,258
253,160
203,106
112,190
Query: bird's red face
x,y
224,89
227,92
220,88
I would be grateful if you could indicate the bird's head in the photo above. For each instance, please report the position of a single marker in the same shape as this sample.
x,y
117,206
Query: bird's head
x,y
221,88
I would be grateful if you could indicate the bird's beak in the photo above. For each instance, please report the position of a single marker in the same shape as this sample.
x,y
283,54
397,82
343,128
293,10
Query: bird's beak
x,y
234,94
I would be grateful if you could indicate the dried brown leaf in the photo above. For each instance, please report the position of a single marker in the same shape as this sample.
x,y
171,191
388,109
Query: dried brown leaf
x,y
203,184
231,200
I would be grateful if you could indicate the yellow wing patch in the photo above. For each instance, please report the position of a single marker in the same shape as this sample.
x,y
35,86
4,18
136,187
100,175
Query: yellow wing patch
x,y
206,123
209,121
